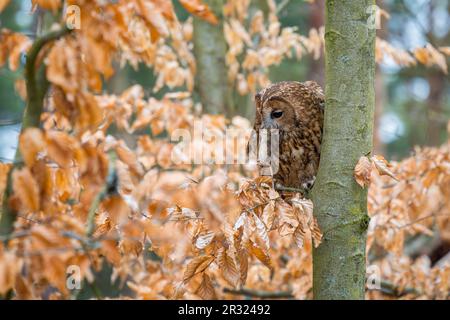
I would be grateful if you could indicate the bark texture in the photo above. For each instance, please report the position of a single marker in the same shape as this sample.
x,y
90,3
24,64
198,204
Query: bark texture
x,y
340,204
210,48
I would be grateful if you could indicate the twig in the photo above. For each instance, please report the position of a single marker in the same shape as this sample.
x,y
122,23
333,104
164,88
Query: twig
x,y
433,215
109,188
289,189
260,293
282,5
390,289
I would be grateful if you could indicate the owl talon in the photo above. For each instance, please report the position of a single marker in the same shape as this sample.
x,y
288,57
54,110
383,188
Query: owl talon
x,y
309,184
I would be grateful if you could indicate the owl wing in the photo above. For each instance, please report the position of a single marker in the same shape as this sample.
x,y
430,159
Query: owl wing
x,y
317,94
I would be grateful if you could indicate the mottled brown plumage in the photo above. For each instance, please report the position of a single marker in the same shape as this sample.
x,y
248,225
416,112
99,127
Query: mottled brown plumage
x,y
296,110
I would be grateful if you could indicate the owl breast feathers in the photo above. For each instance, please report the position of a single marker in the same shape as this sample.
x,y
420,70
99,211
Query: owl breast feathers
x,y
295,110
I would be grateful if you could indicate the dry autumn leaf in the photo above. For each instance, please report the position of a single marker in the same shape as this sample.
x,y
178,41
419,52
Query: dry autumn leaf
x,y
26,189
3,4
12,45
206,289
199,9
382,166
429,56
261,255
268,215
4,170
10,266
261,231
196,266
53,5
316,233
445,50
31,143
118,210
227,267
204,240
362,171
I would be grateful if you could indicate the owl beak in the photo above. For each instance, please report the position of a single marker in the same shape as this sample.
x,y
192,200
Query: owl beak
x,y
268,123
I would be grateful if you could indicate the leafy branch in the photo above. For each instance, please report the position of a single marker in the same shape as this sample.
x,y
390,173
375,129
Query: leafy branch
x,y
36,85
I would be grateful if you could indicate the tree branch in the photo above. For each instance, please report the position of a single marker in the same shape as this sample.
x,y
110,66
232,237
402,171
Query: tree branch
x,y
260,293
388,288
281,6
31,117
289,189
35,90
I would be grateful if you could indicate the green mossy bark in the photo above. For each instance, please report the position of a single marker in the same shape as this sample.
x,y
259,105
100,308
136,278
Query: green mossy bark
x,y
210,49
340,204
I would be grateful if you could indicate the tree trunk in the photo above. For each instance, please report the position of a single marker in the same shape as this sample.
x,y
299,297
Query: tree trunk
x,y
316,20
340,204
436,120
210,49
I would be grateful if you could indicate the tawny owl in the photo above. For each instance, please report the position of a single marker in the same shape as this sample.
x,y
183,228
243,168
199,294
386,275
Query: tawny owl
x,y
296,110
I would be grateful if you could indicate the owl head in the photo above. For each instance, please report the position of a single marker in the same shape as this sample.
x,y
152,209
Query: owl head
x,y
288,105
276,113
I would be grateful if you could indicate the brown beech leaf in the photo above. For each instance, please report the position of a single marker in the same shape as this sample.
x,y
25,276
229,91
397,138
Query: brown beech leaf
x,y
316,233
429,56
61,148
228,267
110,251
206,289
196,266
12,45
4,170
262,231
199,9
31,143
305,206
431,177
154,18
131,246
362,171
242,257
261,255
382,166
445,50
3,4
20,87
204,240
268,215
26,189
10,267
117,209
48,4
299,236
241,254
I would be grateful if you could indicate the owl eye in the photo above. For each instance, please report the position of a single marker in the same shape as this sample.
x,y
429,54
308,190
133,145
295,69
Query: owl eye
x,y
276,114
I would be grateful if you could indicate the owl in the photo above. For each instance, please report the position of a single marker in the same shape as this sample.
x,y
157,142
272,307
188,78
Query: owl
x,y
295,110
